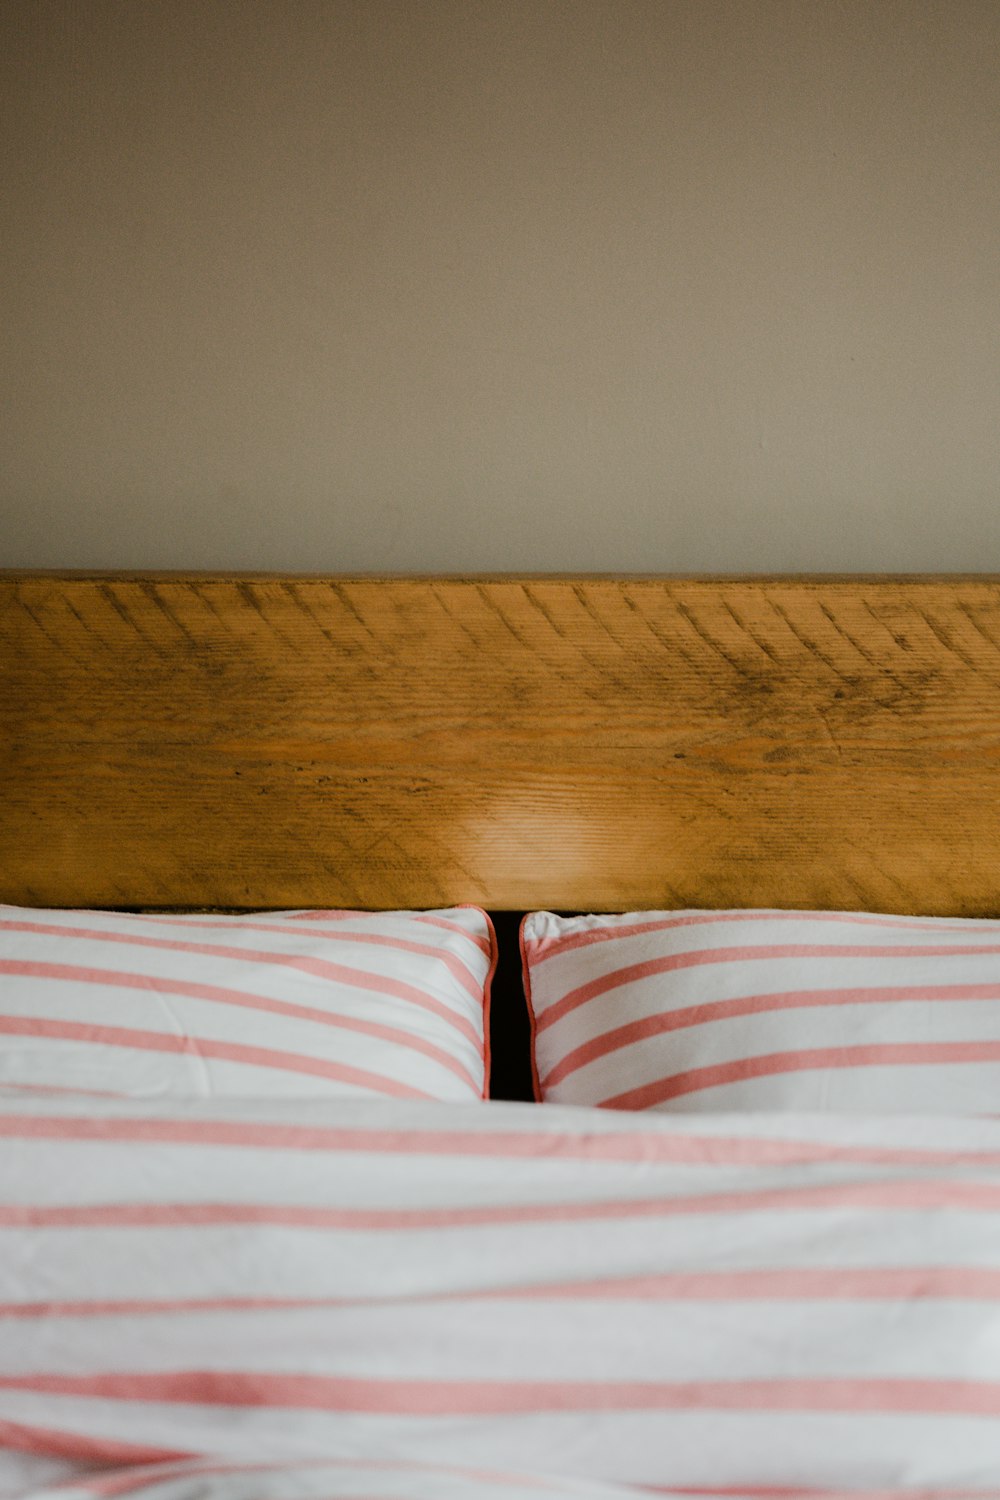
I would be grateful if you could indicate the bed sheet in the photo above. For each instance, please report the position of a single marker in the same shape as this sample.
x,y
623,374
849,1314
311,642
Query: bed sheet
x,y
735,1304
342,1479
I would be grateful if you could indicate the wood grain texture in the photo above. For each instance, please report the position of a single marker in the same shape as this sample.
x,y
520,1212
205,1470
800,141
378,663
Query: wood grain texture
x,y
550,742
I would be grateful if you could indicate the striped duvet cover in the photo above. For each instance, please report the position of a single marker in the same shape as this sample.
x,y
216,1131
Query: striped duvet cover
x,y
387,1479
393,1298
342,1479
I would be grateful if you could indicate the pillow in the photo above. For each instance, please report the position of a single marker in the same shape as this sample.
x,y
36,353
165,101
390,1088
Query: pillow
x,y
341,1004
763,1010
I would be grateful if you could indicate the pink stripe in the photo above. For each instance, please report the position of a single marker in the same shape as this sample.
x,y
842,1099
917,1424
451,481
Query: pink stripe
x,y
140,1478
551,947
898,1054
444,924
9,1084
154,1041
451,961
894,1195
321,913
147,1477
750,1005
431,1398
430,918
152,1308
669,962
318,967
848,1284
53,1442
115,978
134,1478
646,1147
122,1484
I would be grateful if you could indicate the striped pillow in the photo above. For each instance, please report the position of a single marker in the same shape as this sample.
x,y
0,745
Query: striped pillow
x,y
720,1010
341,1004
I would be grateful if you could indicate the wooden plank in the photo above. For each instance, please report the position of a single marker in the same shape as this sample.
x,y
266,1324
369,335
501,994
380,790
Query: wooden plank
x,y
564,742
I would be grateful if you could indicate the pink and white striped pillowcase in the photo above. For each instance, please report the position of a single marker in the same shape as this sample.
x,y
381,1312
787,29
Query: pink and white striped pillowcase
x,y
338,1004
763,1010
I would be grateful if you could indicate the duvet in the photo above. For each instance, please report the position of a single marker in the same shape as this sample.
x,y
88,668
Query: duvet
x,y
390,1299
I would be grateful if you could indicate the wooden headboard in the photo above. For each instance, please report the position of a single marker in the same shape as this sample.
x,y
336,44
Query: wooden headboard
x,y
574,743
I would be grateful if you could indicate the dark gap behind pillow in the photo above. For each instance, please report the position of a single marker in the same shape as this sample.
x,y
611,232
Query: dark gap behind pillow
x,y
510,1030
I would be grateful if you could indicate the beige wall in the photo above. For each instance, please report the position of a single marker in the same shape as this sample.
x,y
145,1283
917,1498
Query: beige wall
x,y
501,284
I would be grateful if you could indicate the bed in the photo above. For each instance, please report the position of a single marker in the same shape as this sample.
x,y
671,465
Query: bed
x,y
297,1286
